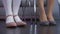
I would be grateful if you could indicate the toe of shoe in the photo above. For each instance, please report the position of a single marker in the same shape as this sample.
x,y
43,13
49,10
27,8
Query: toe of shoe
x,y
45,23
21,23
12,24
52,23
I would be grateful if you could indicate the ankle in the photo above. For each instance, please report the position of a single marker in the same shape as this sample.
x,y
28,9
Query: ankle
x,y
9,19
15,15
43,19
17,18
50,18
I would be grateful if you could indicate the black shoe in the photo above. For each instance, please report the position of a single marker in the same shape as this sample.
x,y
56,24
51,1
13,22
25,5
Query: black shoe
x,y
52,23
45,23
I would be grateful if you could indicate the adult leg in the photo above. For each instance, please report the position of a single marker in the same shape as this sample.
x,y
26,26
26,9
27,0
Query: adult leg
x,y
49,11
43,17
16,5
9,14
42,10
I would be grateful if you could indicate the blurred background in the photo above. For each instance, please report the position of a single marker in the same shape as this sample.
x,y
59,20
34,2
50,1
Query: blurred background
x,y
28,12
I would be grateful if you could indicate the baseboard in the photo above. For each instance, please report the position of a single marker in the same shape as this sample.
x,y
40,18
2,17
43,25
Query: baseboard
x,y
26,17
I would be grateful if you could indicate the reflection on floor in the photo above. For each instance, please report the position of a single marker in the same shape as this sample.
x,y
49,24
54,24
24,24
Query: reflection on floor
x,y
30,29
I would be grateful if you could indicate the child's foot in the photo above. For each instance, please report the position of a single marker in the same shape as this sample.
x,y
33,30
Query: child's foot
x,y
18,21
10,22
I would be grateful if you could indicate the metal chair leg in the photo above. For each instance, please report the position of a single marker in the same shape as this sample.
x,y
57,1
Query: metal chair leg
x,y
23,9
59,9
35,14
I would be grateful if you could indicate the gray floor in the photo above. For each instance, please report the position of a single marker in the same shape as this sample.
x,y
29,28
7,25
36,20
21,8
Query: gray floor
x,y
30,29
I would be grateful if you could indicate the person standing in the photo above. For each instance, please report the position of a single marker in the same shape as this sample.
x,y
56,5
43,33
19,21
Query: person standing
x,y
46,19
12,18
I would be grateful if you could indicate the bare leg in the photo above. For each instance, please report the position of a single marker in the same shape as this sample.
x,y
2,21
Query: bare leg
x,y
16,6
42,14
9,14
49,10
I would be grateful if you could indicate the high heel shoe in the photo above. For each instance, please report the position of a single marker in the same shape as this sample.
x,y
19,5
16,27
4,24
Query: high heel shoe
x,y
45,23
52,23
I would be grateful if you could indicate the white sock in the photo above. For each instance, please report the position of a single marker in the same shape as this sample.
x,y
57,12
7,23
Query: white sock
x,y
9,19
16,6
8,9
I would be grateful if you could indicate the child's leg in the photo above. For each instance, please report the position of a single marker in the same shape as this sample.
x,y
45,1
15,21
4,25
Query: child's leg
x,y
8,10
42,11
7,5
49,10
16,6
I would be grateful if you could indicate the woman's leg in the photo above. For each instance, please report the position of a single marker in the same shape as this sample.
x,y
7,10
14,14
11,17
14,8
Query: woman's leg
x,y
16,5
43,17
42,11
9,14
49,10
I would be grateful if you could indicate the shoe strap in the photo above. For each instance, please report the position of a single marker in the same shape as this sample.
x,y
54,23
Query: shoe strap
x,y
9,15
15,15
